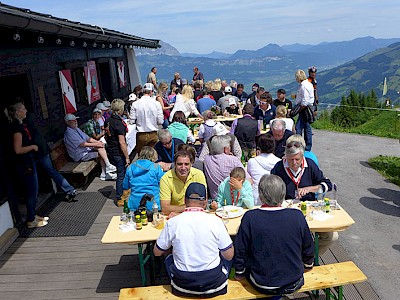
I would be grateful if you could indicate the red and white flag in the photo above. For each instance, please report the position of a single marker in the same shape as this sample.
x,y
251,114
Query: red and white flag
x,y
92,83
121,74
67,91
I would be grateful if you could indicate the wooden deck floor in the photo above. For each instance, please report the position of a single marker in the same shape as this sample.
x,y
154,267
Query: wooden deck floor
x,y
83,268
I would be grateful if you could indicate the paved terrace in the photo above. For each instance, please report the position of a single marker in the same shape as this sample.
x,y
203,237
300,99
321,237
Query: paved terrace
x,y
83,268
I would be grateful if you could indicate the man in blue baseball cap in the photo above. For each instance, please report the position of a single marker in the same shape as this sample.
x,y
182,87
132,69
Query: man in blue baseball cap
x,y
202,249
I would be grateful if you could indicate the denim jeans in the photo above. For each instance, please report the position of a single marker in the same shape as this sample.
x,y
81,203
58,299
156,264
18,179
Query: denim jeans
x,y
46,163
31,184
301,125
165,124
119,163
285,290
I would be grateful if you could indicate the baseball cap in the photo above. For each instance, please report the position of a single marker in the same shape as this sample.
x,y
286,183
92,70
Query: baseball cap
x,y
70,117
231,101
132,97
196,191
107,104
101,106
96,110
281,91
220,129
228,89
184,81
148,87
312,69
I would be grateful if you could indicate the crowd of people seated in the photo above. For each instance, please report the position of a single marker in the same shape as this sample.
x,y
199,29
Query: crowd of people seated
x,y
239,163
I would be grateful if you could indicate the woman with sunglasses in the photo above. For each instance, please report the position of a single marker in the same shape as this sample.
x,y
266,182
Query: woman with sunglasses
x,y
25,151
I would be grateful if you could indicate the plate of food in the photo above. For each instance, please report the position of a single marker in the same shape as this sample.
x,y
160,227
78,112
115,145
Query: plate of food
x,y
233,211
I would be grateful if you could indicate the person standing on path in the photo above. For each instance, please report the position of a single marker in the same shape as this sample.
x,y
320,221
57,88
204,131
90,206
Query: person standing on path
x,y
304,98
312,72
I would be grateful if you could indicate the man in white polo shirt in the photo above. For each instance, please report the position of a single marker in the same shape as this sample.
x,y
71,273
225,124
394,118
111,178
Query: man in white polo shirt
x,y
147,114
202,249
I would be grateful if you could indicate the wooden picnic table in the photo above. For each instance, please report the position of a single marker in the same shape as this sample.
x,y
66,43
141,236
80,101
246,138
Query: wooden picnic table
x,y
231,118
148,235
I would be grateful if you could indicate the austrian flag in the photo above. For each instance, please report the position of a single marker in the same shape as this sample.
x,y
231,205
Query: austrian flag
x,y
67,91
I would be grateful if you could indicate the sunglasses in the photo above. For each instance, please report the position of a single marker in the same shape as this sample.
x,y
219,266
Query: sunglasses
x,y
294,144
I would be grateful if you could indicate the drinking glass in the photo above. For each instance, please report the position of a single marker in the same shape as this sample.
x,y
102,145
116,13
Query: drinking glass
x,y
225,216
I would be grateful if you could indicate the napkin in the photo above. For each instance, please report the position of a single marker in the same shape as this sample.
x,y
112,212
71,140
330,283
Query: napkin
x,y
321,216
127,227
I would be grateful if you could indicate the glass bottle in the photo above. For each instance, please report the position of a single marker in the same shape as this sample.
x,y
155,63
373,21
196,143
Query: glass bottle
x,y
138,222
126,208
143,217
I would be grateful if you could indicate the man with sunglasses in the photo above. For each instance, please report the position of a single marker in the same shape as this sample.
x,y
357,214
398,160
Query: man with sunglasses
x,y
202,249
265,111
166,148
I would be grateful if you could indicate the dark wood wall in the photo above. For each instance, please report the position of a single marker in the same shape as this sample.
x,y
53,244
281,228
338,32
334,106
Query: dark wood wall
x,y
29,72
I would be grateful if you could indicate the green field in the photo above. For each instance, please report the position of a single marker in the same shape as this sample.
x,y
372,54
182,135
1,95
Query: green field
x,y
384,124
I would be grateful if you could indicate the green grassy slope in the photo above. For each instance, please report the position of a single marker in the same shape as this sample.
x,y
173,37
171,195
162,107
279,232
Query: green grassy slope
x,y
384,124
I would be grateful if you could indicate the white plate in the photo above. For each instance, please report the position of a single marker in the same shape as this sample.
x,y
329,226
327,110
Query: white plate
x,y
233,211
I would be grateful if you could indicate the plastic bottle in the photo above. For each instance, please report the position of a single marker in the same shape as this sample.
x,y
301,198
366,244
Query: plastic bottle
x,y
327,205
303,208
154,208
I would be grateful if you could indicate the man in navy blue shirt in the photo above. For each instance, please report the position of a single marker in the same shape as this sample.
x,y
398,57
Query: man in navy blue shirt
x,y
265,111
274,244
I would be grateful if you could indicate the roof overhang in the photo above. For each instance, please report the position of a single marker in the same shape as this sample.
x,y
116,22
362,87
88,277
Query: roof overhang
x,y
24,19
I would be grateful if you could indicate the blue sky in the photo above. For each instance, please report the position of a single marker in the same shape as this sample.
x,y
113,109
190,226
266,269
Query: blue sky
x,y
227,26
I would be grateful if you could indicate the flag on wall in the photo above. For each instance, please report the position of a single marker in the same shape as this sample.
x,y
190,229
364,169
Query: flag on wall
x,y
92,82
384,88
67,91
121,74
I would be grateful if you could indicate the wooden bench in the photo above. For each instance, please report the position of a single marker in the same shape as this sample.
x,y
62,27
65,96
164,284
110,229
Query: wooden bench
x,y
319,278
64,164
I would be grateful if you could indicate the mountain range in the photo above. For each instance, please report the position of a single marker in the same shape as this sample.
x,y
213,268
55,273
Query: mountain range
x,y
273,66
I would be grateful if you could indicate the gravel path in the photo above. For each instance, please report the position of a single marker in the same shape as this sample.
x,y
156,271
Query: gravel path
x,y
373,242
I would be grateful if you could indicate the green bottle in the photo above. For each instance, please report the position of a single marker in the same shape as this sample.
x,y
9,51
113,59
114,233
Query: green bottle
x,y
143,216
126,208
327,205
243,159
303,208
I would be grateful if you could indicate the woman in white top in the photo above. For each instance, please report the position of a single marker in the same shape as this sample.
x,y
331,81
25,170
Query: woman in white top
x,y
184,102
263,163
281,113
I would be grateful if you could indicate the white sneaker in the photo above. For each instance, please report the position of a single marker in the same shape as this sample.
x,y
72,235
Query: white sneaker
x,y
111,169
108,176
